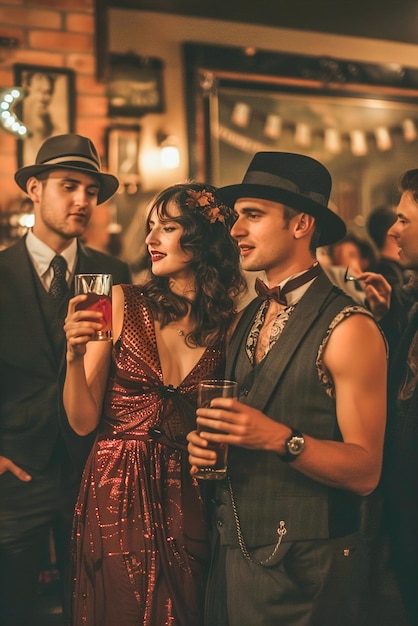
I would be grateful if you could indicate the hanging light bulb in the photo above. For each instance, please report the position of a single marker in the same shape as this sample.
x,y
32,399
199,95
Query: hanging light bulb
x,y
358,142
241,115
303,135
332,140
409,130
383,138
273,126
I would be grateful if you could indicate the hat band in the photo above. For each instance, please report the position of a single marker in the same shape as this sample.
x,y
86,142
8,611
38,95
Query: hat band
x,y
271,180
67,159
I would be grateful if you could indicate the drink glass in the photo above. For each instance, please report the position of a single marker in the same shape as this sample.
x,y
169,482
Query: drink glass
x,y
207,390
98,288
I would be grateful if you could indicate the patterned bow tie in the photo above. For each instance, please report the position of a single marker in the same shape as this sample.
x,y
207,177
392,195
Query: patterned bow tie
x,y
279,293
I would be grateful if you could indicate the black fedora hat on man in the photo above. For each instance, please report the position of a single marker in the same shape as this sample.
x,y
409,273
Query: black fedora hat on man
x,y
70,152
295,180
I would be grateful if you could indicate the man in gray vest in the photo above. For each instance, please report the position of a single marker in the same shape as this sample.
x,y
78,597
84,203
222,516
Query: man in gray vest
x,y
41,457
306,434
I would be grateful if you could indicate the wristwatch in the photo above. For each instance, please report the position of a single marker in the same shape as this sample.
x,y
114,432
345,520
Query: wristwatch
x,y
294,446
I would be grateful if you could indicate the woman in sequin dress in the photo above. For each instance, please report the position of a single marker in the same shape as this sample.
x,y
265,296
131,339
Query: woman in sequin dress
x,y
140,538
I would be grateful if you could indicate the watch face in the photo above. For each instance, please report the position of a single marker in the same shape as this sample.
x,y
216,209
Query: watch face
x,y
295,445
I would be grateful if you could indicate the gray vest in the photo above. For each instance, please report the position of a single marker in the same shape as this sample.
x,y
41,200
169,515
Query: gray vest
x,y
286,387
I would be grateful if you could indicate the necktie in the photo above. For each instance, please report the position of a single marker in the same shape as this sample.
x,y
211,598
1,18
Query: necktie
x,y
279,294
59,286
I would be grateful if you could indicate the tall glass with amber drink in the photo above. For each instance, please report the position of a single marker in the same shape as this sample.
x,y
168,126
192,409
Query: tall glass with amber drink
x,y
207,391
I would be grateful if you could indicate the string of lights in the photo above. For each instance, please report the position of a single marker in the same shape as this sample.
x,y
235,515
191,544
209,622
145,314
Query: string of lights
x,y
262,128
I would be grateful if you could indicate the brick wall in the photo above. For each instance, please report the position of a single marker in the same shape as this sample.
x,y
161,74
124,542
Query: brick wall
x,y
55,33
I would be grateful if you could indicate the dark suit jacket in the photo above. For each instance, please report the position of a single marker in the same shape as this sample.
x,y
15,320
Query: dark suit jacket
x,y
400,475
400,471
31,371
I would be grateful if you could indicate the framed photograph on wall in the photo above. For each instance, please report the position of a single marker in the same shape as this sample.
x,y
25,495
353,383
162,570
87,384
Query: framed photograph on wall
x,y
47,108
135,85
123,143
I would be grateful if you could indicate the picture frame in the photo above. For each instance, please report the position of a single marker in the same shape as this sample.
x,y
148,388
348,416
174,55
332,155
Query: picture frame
x,y
123,153
240,104
135,85
47,109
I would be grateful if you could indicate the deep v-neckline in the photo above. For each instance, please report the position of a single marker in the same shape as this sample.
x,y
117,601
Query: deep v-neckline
x,y
160,369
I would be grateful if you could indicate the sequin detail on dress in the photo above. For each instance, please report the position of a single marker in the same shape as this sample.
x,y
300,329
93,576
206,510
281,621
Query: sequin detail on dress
x,y
141,545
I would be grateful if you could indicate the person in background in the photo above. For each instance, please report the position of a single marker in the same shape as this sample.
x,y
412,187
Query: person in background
x,y
41,458
400,470
341,277
367,254
141,545
349,257
306,434
395,278
352,252
378,225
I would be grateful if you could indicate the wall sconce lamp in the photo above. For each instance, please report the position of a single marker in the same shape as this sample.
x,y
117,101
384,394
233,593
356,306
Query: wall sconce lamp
x,y
169,152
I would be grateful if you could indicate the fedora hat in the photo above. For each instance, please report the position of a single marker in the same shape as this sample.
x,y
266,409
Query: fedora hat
x,y
295,180
70,152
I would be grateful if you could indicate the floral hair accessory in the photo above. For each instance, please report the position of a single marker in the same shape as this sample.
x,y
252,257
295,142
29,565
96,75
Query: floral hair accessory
x,y
204,202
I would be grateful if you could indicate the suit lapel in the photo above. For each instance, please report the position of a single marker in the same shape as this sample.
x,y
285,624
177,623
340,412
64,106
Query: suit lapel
x,y
31,318
86,262
239,335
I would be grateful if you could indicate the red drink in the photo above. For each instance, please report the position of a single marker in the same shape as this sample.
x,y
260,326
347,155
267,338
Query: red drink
x,y
103,304
98,291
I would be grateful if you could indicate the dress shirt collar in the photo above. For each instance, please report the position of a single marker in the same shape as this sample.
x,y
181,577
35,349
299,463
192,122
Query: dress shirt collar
x,y
42,255
295,295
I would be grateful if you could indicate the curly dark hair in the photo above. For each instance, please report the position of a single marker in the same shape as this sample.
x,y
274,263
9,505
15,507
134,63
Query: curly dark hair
x,y
215,260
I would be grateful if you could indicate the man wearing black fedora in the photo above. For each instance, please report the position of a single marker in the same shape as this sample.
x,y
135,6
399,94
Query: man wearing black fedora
x,y
41,458
306,434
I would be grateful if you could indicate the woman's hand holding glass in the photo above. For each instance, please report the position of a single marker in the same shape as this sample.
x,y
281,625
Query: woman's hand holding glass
x,y
81,326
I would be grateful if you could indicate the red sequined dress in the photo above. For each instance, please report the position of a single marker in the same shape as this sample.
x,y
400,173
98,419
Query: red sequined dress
x,y
140,538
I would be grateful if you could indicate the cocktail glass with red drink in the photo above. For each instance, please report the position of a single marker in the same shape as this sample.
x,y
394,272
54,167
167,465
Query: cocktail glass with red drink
x,y
98,289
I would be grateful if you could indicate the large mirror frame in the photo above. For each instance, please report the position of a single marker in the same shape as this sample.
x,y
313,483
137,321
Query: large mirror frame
x,y
359,119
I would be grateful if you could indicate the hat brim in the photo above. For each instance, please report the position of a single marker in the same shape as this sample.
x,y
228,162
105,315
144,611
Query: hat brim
x,y
333,228
108,183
